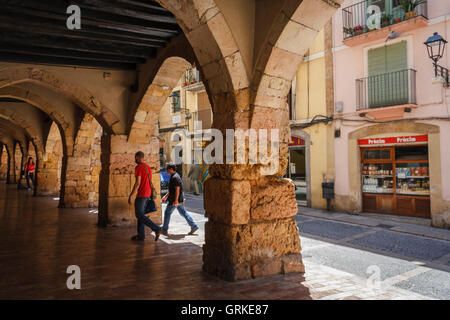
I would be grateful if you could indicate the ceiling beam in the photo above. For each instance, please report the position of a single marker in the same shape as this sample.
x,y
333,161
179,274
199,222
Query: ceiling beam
x,y
115,7
30,27
46,7
63,53
74,45
59,61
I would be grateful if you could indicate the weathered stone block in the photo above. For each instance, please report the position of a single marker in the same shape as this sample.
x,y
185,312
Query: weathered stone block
x,y
253,242
267,267
227,201
119,185
293,263
272,198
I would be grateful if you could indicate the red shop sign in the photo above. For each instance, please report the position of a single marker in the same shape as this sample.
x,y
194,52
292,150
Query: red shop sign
x,y
296,142
392,140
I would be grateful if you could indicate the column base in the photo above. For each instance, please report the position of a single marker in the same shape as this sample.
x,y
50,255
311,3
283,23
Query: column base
x,y
257,249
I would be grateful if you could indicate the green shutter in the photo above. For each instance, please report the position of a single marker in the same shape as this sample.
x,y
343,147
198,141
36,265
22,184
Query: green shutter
x,y
388,76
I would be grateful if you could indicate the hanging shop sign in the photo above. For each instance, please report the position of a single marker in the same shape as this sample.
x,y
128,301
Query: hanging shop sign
x,y
393,140
295,141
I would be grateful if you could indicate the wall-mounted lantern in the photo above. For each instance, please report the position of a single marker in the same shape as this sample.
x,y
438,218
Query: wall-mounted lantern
x,y
175,100
436,48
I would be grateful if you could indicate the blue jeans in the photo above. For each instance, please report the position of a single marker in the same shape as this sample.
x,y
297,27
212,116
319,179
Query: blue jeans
x,y
140,209
182,211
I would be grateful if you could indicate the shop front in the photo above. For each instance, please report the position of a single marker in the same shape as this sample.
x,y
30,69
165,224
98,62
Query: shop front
x,y
297,169
395,175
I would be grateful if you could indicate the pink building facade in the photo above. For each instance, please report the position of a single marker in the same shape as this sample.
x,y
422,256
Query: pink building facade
x,y
392,145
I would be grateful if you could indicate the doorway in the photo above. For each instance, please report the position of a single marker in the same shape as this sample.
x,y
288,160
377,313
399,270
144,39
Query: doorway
x,y
297,172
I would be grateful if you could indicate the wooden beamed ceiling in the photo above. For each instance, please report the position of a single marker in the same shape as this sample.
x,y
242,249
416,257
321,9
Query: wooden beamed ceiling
x,y
114,34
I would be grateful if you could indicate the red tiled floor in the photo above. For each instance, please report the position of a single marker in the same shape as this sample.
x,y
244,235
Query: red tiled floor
x,y
38,242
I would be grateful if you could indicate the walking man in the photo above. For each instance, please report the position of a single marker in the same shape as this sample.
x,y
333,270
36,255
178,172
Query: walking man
x,y
175,201
194,174
143,203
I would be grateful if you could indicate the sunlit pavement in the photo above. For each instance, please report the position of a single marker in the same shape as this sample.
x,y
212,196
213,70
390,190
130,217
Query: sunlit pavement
x,y
38,242
362,246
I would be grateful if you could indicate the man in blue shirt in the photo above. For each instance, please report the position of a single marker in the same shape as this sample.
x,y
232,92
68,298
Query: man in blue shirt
x,y
175,201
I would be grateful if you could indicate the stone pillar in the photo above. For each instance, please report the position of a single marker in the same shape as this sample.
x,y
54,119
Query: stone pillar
x,y
4,162
251,231
23,161
11,178
48,176
77,182
117,178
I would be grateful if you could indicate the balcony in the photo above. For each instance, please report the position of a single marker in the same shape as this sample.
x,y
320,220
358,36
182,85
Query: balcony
x,y
191,80
386,96
369,21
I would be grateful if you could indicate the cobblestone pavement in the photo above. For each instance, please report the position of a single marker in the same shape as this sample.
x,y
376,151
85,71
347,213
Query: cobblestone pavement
x,y
408,256
322,281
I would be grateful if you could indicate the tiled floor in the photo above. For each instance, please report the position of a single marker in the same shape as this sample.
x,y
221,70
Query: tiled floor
x,y
38,242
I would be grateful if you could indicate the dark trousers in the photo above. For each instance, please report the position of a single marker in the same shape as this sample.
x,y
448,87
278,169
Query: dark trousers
x,y
30,177
141,207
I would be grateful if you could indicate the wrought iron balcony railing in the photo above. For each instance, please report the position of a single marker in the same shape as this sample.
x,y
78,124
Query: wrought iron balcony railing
x,y
369,15
385,90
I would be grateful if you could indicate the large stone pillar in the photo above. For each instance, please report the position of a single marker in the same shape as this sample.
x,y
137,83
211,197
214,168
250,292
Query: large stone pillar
x,y
117,178
77,181
3,162
48,176
11,177
251,231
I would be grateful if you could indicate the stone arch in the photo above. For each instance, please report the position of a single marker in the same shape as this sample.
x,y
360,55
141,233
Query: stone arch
x,y
84,166
18,160
19,120
210,36
352,202
3,162
52,163
145,124
34,99
8,143
78,94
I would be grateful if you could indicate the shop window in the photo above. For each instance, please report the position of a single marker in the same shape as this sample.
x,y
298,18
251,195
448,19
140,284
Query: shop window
x,y
411,153
377,154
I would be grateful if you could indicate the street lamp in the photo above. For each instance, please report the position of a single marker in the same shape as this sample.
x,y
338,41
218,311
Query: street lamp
x,y
436,48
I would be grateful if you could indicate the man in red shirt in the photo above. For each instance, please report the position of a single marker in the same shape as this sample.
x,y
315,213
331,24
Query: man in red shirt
x,y
143,202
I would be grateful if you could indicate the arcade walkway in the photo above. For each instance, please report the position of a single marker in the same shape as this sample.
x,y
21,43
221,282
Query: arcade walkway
x,y
38,242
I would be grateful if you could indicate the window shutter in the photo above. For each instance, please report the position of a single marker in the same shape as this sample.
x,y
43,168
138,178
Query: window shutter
x,y
388,76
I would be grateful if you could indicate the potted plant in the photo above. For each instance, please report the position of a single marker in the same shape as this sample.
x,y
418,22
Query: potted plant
x,y
385,20
409,6
348,32
358,30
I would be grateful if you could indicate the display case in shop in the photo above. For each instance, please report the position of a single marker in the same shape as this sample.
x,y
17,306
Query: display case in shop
x,y
378,178
396,180
412,179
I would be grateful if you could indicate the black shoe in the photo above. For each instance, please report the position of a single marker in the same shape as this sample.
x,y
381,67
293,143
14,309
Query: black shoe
x,y
137,238
193,230
164,233
197,194
157,234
